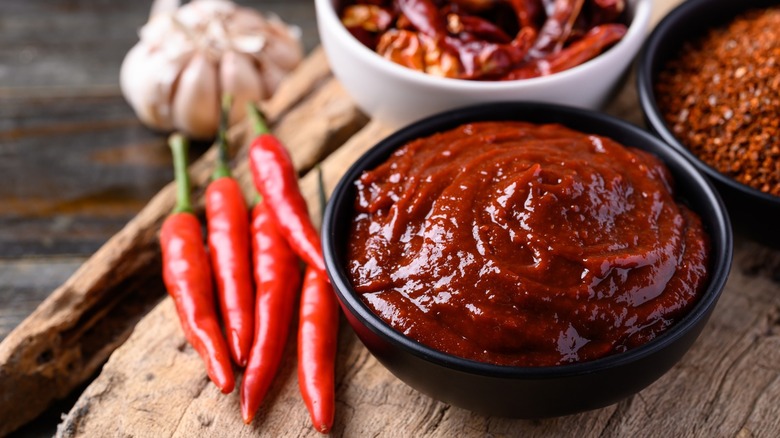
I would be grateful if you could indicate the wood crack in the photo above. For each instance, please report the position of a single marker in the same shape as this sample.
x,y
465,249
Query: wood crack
x,y
203,384
727,372
753,405
613,423
440,410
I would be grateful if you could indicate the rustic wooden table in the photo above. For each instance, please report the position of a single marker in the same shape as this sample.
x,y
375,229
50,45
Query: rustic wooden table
x,y
77,166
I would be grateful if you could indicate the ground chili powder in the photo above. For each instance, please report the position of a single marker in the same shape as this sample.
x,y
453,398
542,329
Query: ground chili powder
x,y
721,98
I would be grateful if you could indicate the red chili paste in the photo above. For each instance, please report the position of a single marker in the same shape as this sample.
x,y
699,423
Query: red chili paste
x,y
520,244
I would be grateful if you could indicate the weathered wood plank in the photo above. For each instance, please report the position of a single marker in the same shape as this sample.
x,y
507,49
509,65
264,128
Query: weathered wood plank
x,y
72,333
24,283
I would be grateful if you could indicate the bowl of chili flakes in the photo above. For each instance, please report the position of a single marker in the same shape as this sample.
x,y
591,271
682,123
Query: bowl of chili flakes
x,y
708,80
468,53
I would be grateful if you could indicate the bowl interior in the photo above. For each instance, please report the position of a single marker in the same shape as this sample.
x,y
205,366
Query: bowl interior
x,y
691,189
638,14
691,20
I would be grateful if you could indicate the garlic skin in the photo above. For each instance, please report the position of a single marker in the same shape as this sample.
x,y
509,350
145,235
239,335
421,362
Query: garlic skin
x,y
189,56
196,102
238,77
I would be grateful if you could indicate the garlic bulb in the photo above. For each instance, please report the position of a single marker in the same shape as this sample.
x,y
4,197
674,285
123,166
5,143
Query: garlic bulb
x,y
188,56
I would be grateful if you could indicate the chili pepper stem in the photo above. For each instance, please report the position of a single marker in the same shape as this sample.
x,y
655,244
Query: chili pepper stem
x,y
178,144
322,198
222,169
258,122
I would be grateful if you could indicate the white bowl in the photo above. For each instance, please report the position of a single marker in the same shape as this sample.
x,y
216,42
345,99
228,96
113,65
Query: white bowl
x,y
398,95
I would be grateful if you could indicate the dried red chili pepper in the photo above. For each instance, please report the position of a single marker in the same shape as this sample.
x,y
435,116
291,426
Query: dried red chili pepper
x,y
187,277
606,11
276,180
402,47
423,16
527,12
372,18
476,28
481,59
590,46
227,219
277,280
557,28
485,39
366,22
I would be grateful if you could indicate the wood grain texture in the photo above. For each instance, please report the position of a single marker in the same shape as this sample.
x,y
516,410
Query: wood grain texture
x,y
24,283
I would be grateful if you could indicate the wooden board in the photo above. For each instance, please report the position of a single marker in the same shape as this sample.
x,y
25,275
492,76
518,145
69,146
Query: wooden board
x,y
155,385
728,385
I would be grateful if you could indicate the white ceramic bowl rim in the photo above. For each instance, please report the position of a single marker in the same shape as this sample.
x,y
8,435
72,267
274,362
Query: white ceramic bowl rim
x,y
636,30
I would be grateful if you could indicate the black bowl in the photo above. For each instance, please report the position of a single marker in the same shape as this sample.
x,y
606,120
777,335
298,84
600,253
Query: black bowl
x,y
527,392
754,213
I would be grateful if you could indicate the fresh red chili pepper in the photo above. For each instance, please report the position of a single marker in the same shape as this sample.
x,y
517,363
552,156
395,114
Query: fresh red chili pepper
x,y
318,330
276,180
187,277
227,219
317,342
277,280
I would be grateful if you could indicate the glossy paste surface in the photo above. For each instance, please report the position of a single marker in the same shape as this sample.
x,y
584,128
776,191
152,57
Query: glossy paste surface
x,y
520,244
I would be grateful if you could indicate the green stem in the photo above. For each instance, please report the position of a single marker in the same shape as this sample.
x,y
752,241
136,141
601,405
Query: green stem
x,y
321,191
261,127
222,169
179,146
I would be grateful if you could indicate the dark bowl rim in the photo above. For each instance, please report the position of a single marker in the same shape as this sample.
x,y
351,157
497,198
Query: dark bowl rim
x,y
721,261
644,82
